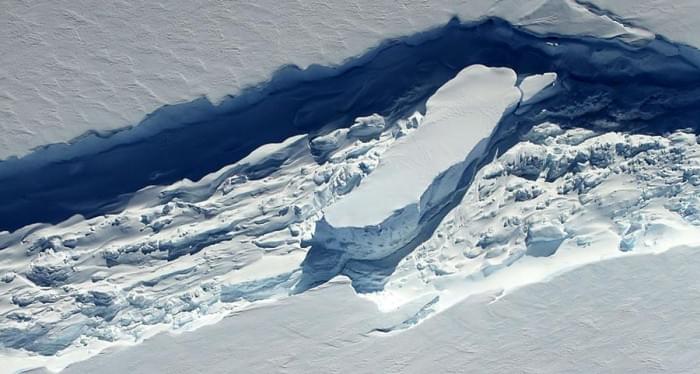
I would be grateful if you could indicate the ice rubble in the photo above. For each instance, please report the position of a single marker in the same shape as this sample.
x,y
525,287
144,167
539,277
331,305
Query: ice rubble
x,y
186,254
198,137
629,315
557,200
179,255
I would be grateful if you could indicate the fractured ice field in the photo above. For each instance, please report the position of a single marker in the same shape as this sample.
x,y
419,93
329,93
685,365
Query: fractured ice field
x,y
475,159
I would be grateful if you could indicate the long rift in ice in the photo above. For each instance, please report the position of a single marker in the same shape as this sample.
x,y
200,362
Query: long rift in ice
x,y
468,159
96,174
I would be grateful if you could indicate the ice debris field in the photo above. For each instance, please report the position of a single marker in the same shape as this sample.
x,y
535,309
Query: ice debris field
x,y
438,172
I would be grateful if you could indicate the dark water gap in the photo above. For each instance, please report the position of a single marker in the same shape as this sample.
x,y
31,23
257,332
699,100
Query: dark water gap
x,y
648,88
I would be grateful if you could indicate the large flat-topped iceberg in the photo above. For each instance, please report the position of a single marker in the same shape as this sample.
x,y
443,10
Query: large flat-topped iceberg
x,y
417,175
459,117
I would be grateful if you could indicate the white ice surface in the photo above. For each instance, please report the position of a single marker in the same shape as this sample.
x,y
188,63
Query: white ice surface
x,y
633,314
678,20
70,66
66,67
459,117
532,85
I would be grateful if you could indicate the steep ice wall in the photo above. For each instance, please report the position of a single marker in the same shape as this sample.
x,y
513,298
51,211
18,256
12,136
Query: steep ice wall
x,y
186,254
193,139
177,256
532,86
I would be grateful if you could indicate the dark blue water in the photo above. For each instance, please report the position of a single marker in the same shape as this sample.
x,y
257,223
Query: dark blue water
x,y
93,175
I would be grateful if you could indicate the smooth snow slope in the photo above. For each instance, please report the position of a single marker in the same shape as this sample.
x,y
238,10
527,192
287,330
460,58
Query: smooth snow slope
x,y
634,314
72,66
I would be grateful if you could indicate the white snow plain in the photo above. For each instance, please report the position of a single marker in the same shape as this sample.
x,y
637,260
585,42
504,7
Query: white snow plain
x,y
634,314
69,66
676,20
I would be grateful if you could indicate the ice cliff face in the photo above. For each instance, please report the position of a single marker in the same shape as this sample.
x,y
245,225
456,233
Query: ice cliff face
x,y
184,254
190,140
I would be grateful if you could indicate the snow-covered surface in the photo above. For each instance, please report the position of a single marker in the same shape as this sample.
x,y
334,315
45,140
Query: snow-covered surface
x,y
458,119
72,66
418,174
677,20
532,85
635,314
